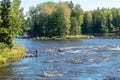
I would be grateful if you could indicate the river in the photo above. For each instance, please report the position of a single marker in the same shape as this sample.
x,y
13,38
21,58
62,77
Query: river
x,y
84,59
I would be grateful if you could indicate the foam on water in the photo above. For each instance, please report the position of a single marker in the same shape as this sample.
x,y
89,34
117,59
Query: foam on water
x,y
115,48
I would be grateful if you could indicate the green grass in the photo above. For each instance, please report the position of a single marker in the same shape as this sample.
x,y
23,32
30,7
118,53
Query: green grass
x,y
64,38
8,55
79,37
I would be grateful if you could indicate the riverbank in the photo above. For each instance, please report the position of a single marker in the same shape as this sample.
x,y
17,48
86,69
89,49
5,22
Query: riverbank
x,y
85,36
64,38
80,36
108,36
8,55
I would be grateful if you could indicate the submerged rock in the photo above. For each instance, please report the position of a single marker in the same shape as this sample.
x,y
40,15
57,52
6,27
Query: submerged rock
x,y
51,74
79,61
111,78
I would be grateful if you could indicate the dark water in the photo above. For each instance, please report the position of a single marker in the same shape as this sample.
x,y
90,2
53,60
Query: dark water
x,y
85,59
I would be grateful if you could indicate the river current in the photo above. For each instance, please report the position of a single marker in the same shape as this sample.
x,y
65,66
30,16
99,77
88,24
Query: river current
x,y
84,59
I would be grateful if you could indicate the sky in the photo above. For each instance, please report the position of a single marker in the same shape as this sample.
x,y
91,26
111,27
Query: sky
x,y
85,4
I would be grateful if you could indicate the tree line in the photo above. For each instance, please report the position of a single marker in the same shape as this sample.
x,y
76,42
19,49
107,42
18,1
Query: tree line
x,y
65,18
59,19
101,21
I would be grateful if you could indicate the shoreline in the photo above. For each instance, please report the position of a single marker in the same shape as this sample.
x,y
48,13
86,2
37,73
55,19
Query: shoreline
x,y
60,38
72,37
14,54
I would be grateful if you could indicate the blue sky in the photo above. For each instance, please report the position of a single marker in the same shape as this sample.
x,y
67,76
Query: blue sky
x,y
85,4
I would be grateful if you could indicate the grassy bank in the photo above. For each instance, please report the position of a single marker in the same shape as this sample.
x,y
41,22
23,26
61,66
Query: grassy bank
x,y
64,38
79,37
8,55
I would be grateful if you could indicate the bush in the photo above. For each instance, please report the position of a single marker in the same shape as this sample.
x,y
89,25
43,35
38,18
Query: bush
x,y
2,59
11,55
2,46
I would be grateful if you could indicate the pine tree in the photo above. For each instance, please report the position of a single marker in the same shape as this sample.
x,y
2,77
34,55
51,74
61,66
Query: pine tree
x,y
5,25
11,21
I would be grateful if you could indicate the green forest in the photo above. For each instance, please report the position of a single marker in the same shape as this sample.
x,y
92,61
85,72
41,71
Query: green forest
x,y
66,18
50,19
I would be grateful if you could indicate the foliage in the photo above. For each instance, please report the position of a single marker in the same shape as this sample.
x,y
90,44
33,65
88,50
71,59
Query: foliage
x,y
2,46
76,19
11,21
8,55
103,21
5,28
87,23
16,18
74,26
65,18
63,12
49,19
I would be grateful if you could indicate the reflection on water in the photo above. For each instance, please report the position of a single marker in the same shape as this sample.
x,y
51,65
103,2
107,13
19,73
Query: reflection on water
x,y
85,59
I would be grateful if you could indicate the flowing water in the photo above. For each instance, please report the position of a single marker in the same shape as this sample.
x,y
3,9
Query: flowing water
x,y
84,59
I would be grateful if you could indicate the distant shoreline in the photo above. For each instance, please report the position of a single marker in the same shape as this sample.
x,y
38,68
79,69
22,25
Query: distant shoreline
x,y
108,36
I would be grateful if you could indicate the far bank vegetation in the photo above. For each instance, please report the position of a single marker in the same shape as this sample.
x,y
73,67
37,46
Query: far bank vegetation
x,y
63,19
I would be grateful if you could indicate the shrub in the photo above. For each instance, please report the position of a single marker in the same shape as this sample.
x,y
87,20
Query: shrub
x,y
2,46
10,55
